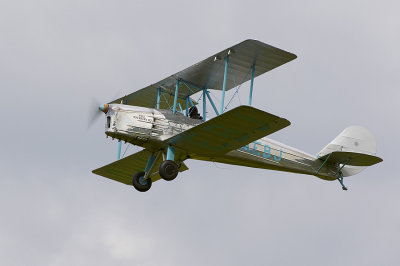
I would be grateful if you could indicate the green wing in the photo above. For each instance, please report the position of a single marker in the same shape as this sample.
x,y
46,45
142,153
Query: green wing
x,y
228,131
124,169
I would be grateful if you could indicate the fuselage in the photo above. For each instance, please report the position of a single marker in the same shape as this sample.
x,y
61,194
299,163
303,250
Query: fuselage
x,y
150,128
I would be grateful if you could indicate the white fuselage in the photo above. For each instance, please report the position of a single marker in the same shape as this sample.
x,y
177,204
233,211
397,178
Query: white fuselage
x,y
149,128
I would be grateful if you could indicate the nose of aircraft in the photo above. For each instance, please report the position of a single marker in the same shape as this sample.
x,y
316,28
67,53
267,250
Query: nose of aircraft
x,y
104,108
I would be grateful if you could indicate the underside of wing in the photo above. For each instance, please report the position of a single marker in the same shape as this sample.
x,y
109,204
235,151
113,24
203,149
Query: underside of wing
x,y
147,97
209,73
228,131
124,169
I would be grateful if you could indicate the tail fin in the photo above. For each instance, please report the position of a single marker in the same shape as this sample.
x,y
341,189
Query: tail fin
x,y
355,142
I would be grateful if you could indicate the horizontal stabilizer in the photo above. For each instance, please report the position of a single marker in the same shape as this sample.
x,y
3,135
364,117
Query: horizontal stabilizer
x,y
228,131
351,158
124,169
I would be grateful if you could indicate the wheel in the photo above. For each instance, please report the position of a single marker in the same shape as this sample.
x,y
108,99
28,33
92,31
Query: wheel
x,y
168,170
140,184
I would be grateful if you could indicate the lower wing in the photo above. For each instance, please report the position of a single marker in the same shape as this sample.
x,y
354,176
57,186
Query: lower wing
x,y
124,169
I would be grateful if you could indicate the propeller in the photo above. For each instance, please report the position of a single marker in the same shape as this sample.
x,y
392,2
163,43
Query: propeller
x,y
95,112
96,108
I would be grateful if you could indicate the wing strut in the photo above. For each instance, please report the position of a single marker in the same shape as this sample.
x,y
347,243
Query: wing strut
x,y
212,103
253,68
224,84
204,105
158,97
119,149
176,96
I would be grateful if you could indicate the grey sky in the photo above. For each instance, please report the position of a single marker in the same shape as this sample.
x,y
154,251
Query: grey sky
x,y
57,55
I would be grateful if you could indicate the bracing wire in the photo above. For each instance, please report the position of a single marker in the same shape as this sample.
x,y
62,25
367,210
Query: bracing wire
x,y
169,106
236,93
127,147
237,90
219,167
190,91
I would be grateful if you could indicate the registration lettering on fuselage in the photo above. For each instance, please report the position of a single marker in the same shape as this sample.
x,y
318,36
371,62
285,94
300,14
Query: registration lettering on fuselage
x,y
266,153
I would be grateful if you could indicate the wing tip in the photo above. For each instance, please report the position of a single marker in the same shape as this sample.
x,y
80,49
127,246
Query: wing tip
x,y
286,122
289,55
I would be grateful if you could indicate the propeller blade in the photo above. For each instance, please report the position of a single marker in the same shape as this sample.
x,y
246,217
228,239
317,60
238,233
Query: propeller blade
x,y
95,110
94,113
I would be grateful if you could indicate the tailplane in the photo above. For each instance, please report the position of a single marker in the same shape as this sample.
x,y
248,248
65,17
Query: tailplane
x,y
354,149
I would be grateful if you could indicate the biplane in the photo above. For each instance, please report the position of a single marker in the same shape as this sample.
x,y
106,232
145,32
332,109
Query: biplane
x,y
164,120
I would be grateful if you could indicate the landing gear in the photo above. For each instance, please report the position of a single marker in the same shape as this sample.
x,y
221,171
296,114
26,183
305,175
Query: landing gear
x,y
168,170
139,183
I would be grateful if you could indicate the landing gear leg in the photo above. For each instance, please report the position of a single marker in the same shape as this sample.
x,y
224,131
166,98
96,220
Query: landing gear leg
x,y
151,163
142,180
340,179
340,174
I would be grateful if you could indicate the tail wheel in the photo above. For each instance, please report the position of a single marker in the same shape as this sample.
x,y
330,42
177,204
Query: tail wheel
x,y
168,170
139,183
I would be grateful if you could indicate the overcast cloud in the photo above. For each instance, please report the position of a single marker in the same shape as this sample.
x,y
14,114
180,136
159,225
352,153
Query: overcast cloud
x,y
55,56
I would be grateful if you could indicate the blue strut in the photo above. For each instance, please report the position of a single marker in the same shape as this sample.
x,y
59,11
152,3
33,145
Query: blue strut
x,y
204,105
212,103
187,106
224,84
176,97
119,149
253,67
150,162
170,153
158,97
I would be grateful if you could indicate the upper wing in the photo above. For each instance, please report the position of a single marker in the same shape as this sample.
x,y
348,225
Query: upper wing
x,y
228,131
124,169
209,73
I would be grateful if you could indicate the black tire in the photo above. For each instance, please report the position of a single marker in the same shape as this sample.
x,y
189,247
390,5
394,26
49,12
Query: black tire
x,y
139,184
168,170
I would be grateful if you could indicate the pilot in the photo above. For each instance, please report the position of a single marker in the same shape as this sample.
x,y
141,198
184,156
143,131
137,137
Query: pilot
x,y
194,113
